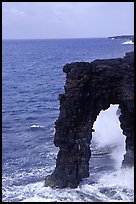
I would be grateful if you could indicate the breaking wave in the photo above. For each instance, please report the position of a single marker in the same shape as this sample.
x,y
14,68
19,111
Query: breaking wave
x,y
37,126
130,42
116,186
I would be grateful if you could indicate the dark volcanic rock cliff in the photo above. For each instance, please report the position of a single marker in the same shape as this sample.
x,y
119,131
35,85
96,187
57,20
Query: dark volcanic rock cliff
x,y
90,88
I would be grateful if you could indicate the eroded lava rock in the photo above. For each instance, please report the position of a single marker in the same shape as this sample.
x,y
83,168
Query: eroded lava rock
x,y
90,88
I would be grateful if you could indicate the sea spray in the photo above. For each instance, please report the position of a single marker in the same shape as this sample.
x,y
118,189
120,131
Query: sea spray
x,y
108,132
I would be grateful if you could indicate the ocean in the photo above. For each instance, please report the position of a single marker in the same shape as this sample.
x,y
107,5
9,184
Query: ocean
x,y
32,79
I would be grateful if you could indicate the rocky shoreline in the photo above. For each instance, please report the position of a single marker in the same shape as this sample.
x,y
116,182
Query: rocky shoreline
x,y
124,37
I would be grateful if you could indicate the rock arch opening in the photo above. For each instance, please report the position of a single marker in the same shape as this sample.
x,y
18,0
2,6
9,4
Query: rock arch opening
x,y
108,144
89,89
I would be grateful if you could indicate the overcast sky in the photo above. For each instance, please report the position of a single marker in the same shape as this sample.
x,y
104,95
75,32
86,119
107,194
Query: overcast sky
x,y
41,20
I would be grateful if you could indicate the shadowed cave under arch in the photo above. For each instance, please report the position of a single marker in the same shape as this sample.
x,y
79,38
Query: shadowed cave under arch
x,y
90,88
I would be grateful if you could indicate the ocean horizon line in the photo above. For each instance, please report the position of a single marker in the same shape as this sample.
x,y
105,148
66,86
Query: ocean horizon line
x,y
53,38
67,38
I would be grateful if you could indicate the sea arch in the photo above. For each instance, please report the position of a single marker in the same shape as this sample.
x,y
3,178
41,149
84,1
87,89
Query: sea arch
x,y
90,88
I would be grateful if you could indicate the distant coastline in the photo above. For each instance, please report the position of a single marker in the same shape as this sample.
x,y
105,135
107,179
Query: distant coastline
x,y
126,37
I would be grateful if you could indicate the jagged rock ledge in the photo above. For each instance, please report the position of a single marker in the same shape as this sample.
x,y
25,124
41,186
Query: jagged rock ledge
x,y
90,88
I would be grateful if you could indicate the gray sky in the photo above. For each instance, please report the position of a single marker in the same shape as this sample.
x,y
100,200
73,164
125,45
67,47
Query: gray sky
x,y
41,20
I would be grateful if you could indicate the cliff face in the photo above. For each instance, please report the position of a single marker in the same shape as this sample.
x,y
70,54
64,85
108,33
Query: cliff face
x,y
90,88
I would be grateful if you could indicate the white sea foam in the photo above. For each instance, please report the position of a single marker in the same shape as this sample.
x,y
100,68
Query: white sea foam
x,y
130,42
117,186
120,178
37,126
